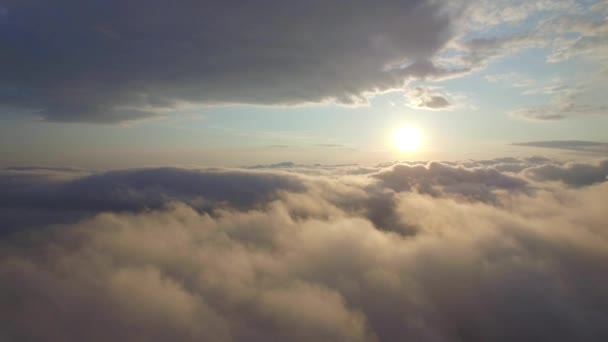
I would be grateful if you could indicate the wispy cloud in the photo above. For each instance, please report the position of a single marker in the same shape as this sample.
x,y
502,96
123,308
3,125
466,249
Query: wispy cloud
x,y
573,145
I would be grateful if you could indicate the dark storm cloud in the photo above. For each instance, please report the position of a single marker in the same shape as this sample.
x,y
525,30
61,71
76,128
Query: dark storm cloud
x,y
110,61
311,264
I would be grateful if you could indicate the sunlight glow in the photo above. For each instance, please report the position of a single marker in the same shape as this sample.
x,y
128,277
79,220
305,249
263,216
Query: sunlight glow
x,y
408,138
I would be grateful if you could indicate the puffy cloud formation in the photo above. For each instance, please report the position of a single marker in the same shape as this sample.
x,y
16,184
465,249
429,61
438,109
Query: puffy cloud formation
x,y
63,195
492,250
111,61
576,174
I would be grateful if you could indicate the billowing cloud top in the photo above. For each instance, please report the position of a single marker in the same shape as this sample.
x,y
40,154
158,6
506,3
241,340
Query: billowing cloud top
x,y
495,250
107,61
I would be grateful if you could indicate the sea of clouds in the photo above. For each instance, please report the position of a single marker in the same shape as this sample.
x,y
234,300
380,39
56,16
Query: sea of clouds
x,y
510,249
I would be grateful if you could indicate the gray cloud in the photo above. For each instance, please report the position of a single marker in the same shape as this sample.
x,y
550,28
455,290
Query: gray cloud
x,y
50,196
438,179
581,33
478,52
575,174
33,197
112,61
572,145
589,41
310,263
566,100
427,98
568,29
562,108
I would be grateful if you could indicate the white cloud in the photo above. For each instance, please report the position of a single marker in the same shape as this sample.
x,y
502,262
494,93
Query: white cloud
x,y
343,256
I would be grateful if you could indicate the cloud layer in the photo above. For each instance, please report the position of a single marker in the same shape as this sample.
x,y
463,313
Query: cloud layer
x,y
495,250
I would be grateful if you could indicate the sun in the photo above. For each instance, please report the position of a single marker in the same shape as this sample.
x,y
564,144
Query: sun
x,y
408,138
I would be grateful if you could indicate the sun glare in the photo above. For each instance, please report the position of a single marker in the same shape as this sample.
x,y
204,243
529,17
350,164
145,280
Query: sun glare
x,y
408,138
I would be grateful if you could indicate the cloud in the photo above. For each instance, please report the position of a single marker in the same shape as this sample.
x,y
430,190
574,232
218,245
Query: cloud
x,y
513,79
580,33
281,165
568,29
114,61
427,98
338,146
593,147
310,264
563,111
52,196
581,36
477,53
566,102
491,13
437,178
34,197
575,174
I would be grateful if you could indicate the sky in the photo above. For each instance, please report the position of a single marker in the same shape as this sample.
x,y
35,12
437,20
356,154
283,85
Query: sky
x,y
112,84
387,170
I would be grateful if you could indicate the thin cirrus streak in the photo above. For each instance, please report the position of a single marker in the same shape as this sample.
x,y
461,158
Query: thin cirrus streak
x,y
503,249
